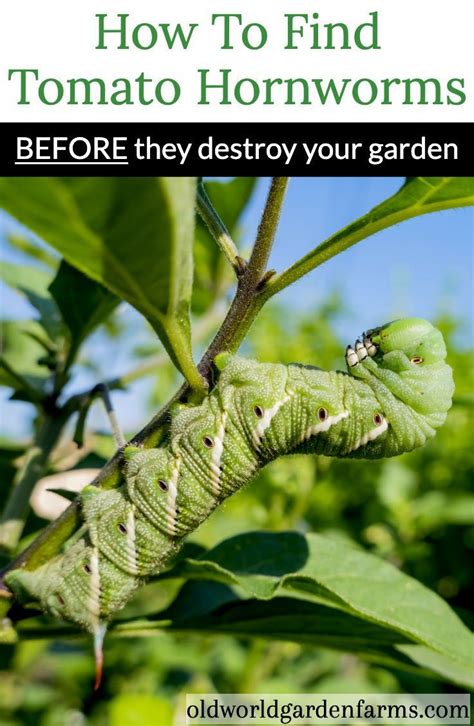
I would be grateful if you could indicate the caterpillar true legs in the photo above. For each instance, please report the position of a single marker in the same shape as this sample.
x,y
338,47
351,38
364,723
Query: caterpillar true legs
x,y
396,392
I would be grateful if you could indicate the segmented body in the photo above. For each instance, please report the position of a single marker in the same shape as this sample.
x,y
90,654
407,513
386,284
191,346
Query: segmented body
x,y
395,394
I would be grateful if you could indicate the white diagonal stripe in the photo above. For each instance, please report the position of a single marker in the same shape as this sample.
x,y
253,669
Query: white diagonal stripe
x,y
172,496
94,581
130,542
216,455
371,435
324,425
266,420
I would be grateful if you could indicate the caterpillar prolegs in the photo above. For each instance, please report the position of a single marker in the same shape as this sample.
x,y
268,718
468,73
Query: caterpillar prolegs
x,y
395,393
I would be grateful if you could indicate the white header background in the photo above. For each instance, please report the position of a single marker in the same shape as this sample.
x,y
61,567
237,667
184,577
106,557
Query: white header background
x,y
419,38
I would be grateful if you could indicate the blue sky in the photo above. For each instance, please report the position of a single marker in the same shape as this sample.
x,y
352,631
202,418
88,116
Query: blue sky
x,y
421,267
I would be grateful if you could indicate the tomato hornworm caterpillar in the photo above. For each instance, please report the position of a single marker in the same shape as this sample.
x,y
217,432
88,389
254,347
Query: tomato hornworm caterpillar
x,y
396,392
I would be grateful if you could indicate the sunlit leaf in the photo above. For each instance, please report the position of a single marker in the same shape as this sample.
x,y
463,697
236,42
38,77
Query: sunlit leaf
x,y
20,352
134,236
334,574
33,250
419,195
137,709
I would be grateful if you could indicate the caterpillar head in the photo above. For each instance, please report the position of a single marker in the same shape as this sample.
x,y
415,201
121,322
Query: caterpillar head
x,y
409,357
416,338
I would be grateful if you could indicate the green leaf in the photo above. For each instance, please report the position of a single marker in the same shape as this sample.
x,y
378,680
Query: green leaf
x,y
33,250
337,575
213,608
134,236
8,635
9,452
419,195
283,618
82,302
440,663
287,619
435,193
137,709
33,282
19,355
435,509
196,600
230,200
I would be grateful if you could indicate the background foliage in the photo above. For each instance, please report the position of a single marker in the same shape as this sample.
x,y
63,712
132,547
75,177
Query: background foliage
x,y
230,616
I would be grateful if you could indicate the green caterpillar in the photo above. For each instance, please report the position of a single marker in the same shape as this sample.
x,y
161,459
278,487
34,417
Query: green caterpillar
x,y
396,393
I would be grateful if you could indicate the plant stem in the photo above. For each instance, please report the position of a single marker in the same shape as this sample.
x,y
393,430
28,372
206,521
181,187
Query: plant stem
x,y
218,230
16,510
267,228
247,302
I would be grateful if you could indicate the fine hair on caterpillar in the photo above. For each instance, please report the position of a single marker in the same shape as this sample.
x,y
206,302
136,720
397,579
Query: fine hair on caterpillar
x,y
395,394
